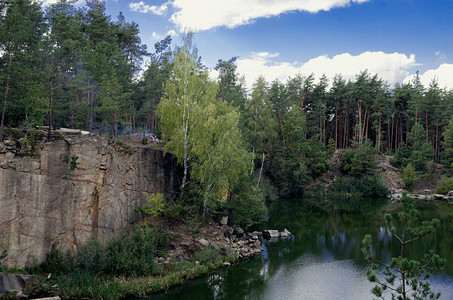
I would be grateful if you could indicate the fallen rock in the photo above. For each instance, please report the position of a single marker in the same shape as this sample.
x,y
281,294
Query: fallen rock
x,y
16,283
203,242
285,233
269,234
224,220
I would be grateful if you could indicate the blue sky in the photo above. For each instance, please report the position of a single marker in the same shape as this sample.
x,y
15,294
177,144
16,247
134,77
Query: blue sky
x,y
279,38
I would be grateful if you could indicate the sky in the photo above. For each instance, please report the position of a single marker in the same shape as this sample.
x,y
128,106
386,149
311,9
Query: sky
x,y
281,38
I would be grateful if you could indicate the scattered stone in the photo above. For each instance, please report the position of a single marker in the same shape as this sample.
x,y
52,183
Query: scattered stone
x,y
224,220
285,233
225,250
226,264
215,246
269,234
239,231
204,242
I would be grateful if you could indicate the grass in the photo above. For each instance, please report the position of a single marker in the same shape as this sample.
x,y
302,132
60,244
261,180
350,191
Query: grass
x,y
81,283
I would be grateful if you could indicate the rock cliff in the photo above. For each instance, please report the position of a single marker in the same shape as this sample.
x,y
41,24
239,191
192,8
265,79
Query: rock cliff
x,y
44,201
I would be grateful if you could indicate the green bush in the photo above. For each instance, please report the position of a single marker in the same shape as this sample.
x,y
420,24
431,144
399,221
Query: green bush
x,y
3,254
445,185
207,255
366,186
409,176
360,161
156,205
91,256
401,158
58,262
134,253
364,160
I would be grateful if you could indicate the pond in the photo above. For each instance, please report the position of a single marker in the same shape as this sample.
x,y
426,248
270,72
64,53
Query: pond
x,y
322,259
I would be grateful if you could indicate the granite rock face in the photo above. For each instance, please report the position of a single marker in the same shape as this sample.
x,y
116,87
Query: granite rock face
x,y
43,203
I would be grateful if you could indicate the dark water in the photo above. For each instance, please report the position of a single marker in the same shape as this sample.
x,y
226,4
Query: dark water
x,y
322,259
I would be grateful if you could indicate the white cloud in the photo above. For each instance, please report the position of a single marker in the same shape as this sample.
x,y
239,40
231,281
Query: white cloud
x,y
391,67
207,14
156,36
145,8
171,32
443,74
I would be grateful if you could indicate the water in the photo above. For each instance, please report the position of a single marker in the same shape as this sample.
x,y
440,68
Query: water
x,y
322,259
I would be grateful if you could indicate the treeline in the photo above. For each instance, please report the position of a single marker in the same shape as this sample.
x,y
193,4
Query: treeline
x,y
72,66
294,126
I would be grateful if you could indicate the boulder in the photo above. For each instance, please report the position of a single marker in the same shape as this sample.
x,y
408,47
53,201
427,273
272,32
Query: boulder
x,y
225,250
228,232
16,283
285,233
239,231
224,220
269,234
203,242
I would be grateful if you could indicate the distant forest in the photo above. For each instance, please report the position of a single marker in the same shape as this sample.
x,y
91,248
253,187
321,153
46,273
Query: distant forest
x,y
71,66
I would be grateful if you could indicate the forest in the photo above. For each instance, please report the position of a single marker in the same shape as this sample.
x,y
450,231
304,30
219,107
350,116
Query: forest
x,y
74,66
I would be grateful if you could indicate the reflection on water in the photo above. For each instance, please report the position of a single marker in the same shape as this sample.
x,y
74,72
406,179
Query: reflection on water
x,y
322,260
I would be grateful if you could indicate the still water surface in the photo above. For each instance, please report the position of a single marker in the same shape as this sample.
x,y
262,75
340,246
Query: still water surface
x,y
321,260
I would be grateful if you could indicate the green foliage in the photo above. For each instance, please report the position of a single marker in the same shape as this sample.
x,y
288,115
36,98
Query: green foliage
x,y
402,157
364,160
57,262
409,176
247,205
201,131
3,254
403,277
421,150
133,254
73,164
129,255
360,161
447,143
445,185
207,255
91,256
156,205
298,160
365,186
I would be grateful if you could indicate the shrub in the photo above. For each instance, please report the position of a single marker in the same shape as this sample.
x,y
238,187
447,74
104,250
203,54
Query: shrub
x,y
3,254
364,160
366,186
401,158
91,256
58,262
156,205
207,255
445,185
409,176
134,253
